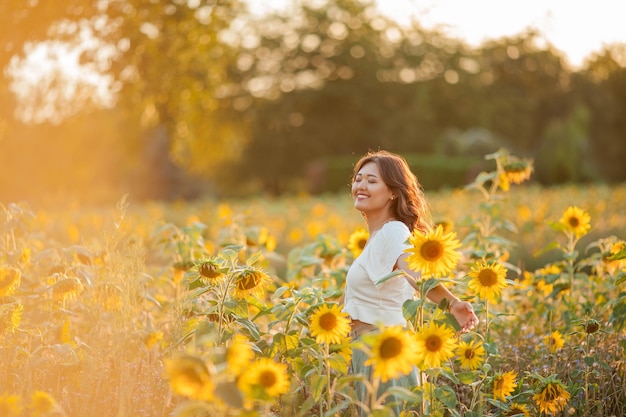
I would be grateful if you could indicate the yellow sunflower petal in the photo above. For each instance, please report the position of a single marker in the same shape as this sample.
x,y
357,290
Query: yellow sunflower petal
x,y
504,384
357,241
239,354
554,341
488,278
250,282
189,376
551,397
435,344
434,253
471,354
393,353
576,221
329,324
264,380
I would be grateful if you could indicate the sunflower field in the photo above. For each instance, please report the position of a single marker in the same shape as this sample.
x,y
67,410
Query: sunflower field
x,y
232,308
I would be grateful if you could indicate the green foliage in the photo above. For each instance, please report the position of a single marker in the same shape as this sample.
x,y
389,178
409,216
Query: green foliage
x,y
563,154
244,104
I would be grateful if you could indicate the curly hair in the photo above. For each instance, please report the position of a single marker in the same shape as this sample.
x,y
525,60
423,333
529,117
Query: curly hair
x,y
410,206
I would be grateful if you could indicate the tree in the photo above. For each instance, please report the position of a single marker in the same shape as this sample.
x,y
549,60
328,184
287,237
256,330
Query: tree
x,y
602,87
168,64
524,88
336,80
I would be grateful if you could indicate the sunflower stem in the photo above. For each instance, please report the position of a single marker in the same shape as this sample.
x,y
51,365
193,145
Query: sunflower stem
x,y
374,394
220,308
487,319
419,317
571,245
329,390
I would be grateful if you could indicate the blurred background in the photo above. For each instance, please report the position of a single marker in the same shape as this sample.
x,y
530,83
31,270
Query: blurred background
x,y
171,99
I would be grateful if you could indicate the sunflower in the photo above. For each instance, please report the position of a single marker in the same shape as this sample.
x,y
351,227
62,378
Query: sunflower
x,y
264,379
446,224
357,241
504,384
9,280
10,405
433,253
256,236
66,289
239,354
189,376
471,354
550,269
393,352
250,282
576,221
517,409
10,317
488,279
153,339
518,170
614,260
329,324
554,341
592,326
551,397
42,404
544,288
210,270
435,344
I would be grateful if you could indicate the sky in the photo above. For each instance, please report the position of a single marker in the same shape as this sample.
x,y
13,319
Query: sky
x,y
575,27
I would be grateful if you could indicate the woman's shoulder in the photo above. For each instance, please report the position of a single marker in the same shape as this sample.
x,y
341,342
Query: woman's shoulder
x,y
395,228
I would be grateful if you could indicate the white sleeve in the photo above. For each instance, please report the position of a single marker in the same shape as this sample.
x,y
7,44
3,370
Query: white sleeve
x,y
385,249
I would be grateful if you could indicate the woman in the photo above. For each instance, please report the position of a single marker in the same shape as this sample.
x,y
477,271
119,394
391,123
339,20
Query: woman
x,y
392,203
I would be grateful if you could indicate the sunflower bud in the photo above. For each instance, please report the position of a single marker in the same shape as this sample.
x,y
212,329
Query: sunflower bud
x,y
592,326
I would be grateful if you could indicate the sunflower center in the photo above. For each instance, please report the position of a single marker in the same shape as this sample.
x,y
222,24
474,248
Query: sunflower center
x,y
328,321
431,250
209,271
515,411
267,379
469,354
190,378
390,348
433,343
574,222
488,278
497,386
551,392
248,282
361,243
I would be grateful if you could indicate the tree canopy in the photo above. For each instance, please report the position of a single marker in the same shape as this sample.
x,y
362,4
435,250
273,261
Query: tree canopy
x,y
207,93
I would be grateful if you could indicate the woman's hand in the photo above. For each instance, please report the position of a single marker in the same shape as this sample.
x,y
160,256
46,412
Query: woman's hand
x,y
464,314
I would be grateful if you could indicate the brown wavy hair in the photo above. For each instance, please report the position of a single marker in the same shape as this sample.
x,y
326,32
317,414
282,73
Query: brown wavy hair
x,y
410,205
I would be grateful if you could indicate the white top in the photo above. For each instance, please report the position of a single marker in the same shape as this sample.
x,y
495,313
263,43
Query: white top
x,y
371,303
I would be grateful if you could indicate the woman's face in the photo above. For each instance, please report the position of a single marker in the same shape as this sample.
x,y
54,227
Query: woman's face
x,y
369,191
